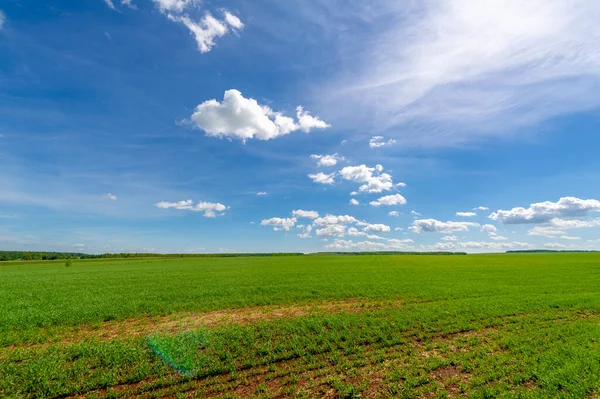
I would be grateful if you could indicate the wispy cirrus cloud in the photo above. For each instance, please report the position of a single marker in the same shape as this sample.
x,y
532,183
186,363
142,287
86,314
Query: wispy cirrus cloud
x,y
488,67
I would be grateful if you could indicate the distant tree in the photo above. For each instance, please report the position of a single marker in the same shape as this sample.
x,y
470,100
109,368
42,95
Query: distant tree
x,y
68,263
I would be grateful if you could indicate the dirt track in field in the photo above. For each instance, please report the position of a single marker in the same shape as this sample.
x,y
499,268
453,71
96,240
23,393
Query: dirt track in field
x,y
179,322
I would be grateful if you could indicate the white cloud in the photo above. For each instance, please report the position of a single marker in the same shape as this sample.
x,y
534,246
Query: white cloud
x,y
128,3
377,228
554,245
299,213
354,193
394,213
478,246
378,141
109,3
210,209
354,232
375,181
450,238
279,223
432,225
327,160
110,196
496,237
233,21
389,200
399,229
261,193
390,245
543,212
174,5
481,65
334,230
545,231
570,238
466,214
237,117
308,122
489,228
333,219
322,178
574,223
481,208
354,202
204,31
307,231
2,19
375,237
415,213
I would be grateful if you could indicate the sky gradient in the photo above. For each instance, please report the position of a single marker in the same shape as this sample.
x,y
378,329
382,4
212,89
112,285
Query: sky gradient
x,y
253,126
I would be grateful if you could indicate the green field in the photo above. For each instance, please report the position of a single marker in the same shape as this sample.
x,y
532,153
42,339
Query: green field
x,y
480,326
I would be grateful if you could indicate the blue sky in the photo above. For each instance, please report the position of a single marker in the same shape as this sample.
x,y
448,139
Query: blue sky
x,y
173,125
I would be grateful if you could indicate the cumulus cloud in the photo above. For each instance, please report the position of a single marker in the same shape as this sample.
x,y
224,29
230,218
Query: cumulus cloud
x,y
322,178
333,219
545,231
334,230
327,160
481,208
110,196
389,200
306,233
174,5
496,237
555,245
571,238
379,141
574,223
279,223
377,228
489,228
299,213
354,232
432,225
394,213
2,19
478,246
544,212
390,245
466,214
374,179
354,202
472,66
204,31
237,117
450,238
415,213
261,193
210,209
308,122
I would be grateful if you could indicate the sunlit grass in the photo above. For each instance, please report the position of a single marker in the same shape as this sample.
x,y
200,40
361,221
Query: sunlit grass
x,y
514,326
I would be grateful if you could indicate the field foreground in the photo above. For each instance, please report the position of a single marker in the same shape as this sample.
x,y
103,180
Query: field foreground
x,y
480,326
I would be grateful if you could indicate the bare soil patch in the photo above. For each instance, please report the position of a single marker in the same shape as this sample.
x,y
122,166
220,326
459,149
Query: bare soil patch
x,y
179,322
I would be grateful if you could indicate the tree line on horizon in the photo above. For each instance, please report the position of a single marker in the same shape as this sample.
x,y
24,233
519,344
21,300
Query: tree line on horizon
x,y
41,255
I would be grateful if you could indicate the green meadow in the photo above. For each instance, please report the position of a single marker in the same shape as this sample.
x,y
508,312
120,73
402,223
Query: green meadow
x,y
479,326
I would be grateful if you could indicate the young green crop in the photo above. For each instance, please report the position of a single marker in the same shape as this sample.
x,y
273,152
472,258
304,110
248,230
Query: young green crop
x,y
513,326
